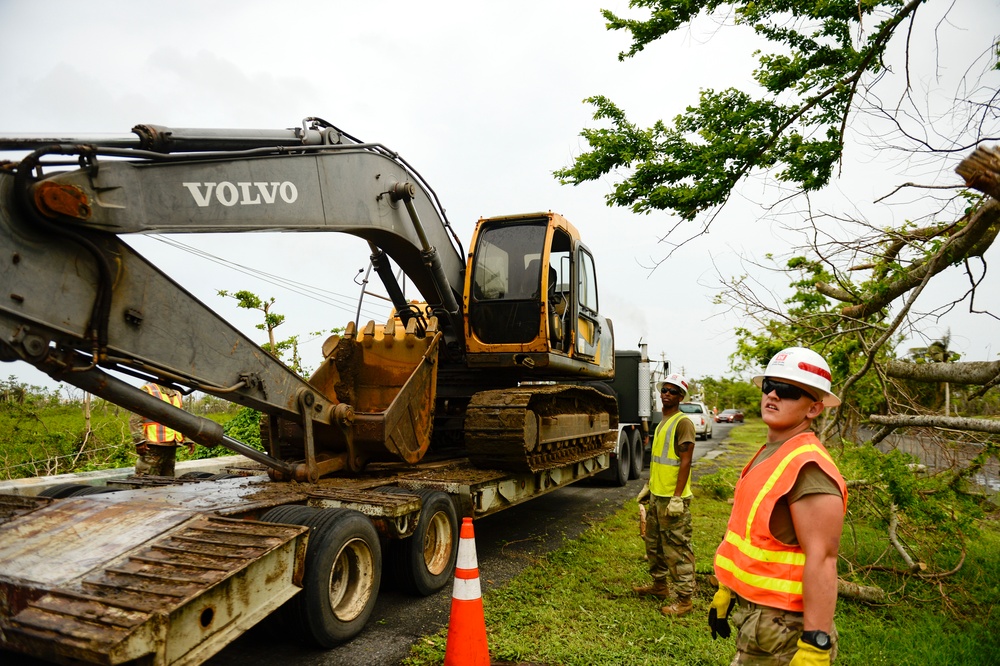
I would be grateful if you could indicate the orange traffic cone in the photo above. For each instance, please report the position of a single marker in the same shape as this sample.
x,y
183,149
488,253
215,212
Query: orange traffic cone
x,y
467,625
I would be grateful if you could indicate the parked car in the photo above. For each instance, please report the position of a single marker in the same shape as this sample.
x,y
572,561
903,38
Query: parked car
x,y
700,417
729,416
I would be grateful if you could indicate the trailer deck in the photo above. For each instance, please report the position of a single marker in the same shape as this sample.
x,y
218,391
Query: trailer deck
x,y
169,571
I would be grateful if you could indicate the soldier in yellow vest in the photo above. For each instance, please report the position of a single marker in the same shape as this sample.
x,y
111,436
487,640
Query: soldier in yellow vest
x,y
668,520
156,444
778,561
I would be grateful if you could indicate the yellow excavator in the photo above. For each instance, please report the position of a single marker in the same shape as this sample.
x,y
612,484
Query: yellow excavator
x,y
491,363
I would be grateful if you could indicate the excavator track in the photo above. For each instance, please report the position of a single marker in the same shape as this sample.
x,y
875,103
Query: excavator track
x,y
534,428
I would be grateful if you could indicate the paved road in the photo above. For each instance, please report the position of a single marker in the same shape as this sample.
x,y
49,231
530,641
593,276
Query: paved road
x,y
505,544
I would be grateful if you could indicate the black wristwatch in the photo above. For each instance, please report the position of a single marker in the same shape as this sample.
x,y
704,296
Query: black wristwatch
x,y
816,638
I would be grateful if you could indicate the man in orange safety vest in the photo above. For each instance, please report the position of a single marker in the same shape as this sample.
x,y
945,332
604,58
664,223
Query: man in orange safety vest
x,y
156,444
777,564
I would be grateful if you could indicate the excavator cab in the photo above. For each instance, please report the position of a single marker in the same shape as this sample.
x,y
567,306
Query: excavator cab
x,y
530,300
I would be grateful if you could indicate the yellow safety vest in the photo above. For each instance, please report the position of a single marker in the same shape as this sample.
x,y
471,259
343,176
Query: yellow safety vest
x,y
157,433
665,465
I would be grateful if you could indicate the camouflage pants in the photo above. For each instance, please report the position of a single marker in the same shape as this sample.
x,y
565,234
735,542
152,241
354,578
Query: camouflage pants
x,y
155,459
668,545
768,636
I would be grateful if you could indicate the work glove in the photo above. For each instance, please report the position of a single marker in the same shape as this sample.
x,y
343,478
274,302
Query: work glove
x,y
718,612
642,520
643,494
810,655
676,506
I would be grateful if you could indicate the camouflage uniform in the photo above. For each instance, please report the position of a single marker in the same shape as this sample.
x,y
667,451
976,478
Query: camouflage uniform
x,y
769,636
155,459
668,545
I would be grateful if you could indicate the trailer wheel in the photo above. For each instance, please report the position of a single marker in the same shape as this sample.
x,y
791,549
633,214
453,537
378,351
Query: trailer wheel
x,y
426,560
93,490
623,461
637,455
196,475
343,568
341,575
288,514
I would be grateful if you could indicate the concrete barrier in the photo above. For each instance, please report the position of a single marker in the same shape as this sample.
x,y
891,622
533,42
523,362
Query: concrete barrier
x,y
37,484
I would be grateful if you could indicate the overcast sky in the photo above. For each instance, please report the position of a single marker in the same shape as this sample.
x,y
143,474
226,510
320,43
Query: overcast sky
x,y
484,99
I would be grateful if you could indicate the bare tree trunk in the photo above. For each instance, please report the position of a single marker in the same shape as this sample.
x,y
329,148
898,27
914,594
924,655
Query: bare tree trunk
x,y
968,372
981,171
86,427
86,416
931,421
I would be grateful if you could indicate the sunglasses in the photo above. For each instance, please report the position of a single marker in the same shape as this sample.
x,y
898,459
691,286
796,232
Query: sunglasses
x,y
784,391
671,391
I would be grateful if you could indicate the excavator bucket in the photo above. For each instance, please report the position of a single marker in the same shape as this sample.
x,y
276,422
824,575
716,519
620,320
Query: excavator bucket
x,y
388,375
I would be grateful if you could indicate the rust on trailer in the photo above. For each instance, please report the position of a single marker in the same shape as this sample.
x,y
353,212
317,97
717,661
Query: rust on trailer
x,y
12,506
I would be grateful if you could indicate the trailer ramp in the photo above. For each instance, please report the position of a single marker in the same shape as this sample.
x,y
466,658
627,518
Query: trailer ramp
x,y
155,584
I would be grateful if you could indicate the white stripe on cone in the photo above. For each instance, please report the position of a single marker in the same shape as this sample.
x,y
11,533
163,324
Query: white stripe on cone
x,y
466,589
466,555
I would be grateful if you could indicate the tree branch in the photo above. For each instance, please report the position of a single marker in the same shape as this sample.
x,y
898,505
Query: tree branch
x,y
974,239
914,566
932,421
848,590
968,372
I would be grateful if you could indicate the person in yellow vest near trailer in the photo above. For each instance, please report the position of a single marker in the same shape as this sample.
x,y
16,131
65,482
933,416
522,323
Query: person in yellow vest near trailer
x,y
156,444
668,520
777,564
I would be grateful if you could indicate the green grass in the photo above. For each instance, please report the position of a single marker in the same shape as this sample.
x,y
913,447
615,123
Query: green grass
x,y
576,607
51,439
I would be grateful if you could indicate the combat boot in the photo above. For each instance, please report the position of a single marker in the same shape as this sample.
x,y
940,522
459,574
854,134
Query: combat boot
x,y
659,589
680,607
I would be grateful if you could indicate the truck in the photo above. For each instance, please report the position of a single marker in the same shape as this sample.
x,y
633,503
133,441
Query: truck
x,y
483,393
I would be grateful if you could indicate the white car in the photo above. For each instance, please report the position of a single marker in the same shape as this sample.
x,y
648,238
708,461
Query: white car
x,y
700,417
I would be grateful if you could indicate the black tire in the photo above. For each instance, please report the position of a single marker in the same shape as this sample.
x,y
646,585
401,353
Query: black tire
x,y
288,514
342,575
635,470
708,435
92,490
196,475
393,576
425,561
621,465
62,490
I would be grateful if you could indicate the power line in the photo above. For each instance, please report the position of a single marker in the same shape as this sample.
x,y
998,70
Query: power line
x,y
331,298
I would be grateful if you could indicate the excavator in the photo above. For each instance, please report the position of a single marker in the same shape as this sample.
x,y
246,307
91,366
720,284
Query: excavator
x,y
491,363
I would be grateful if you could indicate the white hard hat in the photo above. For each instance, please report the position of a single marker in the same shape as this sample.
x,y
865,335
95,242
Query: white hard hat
x,y
675,379
803,366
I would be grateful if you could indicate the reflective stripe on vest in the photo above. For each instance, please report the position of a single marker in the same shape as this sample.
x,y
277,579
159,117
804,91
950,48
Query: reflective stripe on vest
x,y
750,560
665,465
156,432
